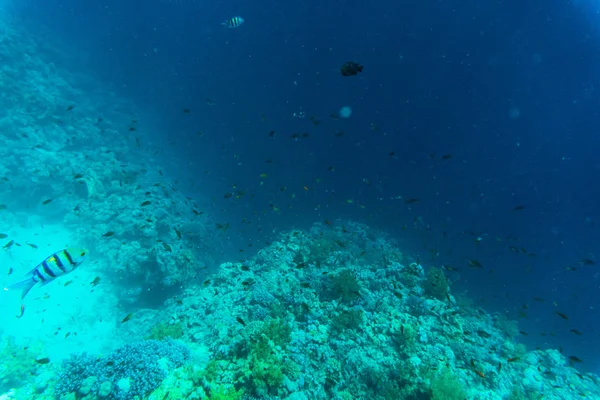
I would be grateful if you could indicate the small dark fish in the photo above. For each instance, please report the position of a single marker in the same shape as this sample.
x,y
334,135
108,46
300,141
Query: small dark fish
x,y
146,203
305,285
446,156
67,283
22,311
524,333
513,359
108,234
228,195
245,268
351,68
539,299
67,334
44,360
3,235
575,331
167,248
78,176
33,246
563,316
475,264
48,201
272,134
187,111
340,243
241,321
9,244
484,334
586,261
69,108
518,208
411,200
127,318
10,271
177,233
222,227
450,268
513,249
95,282
339,134
575,359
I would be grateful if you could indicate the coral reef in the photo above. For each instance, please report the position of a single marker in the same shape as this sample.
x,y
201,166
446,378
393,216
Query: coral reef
x,y
339,328
163,330
18,364
131,370
436,284
333,312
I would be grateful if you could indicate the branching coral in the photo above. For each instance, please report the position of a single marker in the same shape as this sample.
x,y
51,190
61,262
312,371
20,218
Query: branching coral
x,y
345,286
131,370
447,387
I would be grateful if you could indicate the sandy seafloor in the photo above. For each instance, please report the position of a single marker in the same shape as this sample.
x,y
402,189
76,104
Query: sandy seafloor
x,y
336,312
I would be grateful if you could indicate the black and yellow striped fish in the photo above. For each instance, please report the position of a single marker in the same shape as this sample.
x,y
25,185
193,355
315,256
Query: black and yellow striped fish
x,y
233,22
58,264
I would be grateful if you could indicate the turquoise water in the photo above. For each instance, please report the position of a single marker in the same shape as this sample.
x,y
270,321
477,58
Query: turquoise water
x,y
334,311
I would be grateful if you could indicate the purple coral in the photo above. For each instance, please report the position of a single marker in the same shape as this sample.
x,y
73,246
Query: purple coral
x,y
138,363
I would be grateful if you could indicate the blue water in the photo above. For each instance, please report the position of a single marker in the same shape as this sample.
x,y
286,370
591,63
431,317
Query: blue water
x,y
472,146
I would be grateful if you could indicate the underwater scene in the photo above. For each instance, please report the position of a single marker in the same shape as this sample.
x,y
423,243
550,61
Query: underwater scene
x,y
343,200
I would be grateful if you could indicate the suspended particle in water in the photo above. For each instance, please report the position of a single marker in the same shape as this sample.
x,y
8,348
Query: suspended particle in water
x,y
345,112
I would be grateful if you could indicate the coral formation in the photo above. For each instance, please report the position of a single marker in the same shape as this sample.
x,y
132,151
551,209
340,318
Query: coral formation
x,y
436,284
163,330
131,370
18,363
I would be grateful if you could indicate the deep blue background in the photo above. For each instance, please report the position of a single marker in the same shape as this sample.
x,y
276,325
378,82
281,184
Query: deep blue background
x,y
439,78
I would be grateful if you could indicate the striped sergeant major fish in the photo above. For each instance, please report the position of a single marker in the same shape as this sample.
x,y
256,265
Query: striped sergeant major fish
x,y
58,264
233,22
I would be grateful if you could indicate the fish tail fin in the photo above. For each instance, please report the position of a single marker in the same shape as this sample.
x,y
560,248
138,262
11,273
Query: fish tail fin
x,y
25,286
